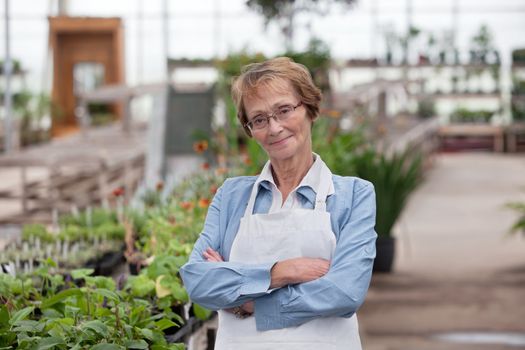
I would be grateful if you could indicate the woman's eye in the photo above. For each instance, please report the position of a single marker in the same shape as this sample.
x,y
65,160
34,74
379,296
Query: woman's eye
x,y
258,121
285,109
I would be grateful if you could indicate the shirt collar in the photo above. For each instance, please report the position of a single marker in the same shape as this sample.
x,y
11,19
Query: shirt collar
x,y
308,186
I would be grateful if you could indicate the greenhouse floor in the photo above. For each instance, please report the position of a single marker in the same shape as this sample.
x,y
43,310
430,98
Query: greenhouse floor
x,y
457,269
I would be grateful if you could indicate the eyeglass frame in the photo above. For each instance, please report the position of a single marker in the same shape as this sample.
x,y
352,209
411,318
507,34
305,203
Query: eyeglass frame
x,y
272,115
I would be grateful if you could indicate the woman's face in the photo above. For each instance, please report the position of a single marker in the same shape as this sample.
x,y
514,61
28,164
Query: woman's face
x,y
281,140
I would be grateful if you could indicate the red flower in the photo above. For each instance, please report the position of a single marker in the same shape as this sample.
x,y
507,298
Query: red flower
x,y
186,205
119,191
200,146
204,202
205,166
213,189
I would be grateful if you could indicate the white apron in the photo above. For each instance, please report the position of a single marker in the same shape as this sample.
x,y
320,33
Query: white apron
x,y
284,235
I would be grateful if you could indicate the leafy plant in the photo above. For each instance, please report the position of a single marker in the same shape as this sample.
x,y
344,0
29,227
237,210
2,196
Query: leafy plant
x,y
283,12
464,115
518,110
96,315
335,146
519,225
317,59
426,108
394,178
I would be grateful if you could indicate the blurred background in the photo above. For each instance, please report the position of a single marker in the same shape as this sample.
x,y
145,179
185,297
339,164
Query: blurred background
x,y
117,127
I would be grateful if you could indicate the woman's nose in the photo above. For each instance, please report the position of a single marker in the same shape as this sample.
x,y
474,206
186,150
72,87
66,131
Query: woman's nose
x,y
274,126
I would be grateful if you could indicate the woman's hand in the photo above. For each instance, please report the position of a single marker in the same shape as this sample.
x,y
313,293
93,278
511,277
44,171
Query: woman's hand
x,y
298,270
241,311
212,256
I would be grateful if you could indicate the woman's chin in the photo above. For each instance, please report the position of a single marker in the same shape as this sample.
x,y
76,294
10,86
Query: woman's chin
x,y
281,154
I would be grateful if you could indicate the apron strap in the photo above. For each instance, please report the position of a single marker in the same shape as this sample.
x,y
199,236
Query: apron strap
x,y
253,195
251,201
324,188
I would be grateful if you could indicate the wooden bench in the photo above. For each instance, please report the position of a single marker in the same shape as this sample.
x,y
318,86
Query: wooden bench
x,y
474,131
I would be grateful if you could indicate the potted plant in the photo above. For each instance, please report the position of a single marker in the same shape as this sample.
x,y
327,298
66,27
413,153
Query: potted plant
x,y
394,178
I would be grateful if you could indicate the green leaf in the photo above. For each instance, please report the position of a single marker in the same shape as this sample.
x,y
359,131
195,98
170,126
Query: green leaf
x,y
136,344
141,285
200,312
106,346
4,316
179,292
108,294
21,314
60,297
177,346
49,343
28,326
96,326
165,324
81,273
147,333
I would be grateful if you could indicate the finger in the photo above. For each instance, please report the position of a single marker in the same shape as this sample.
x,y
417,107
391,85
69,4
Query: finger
x,y
215,254
209,257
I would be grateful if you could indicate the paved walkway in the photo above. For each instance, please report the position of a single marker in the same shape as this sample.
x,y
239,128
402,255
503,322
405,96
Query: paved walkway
x,y
457,269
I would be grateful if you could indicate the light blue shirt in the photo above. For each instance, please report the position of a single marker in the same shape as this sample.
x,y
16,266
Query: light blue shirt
x,y
221,285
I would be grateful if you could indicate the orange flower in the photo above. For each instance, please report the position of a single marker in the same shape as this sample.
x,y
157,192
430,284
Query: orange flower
x,y
332,113
247,161
221,171
204,202
213,189
160,186
205,166
117,192
186,205
200,146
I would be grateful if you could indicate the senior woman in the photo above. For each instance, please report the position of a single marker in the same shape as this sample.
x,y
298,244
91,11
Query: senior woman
x,y
285,257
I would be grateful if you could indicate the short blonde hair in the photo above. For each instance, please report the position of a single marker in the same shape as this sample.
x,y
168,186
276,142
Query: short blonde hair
x,y
269,73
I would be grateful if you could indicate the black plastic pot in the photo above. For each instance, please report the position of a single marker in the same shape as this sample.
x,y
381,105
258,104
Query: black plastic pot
x,y
385,251
106,264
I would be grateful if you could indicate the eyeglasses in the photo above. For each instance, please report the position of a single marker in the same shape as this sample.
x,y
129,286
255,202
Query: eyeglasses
x,y
281,114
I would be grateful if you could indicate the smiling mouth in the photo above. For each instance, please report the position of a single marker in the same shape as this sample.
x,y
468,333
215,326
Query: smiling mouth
x,y
280,141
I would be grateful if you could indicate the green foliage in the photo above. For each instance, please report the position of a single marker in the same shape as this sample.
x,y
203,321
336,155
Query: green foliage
x,y
518,86
275,9
426,108
335,146
464,115
394,178
33,231
518,110
317,59
95,316
518,56
16,66
482,45
519,225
